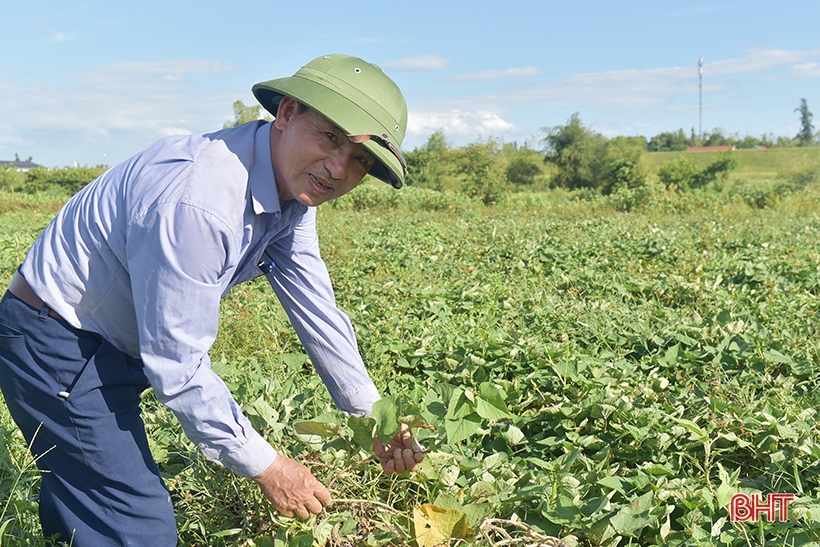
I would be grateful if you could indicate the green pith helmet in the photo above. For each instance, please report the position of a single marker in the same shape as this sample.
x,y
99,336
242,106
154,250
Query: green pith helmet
x,y
358,98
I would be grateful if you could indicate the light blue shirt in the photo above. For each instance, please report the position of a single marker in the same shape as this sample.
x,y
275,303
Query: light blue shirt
x,y
144,254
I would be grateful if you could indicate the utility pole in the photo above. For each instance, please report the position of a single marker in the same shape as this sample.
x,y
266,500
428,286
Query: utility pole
x,y
700,98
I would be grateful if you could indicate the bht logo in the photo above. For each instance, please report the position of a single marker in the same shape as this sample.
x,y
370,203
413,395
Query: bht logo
x,y
744,508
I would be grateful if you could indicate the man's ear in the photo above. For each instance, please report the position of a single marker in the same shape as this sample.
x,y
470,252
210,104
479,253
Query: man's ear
x,y
288,107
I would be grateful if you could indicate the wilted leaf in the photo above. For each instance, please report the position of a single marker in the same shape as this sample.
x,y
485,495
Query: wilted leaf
x,y
435,526
321,429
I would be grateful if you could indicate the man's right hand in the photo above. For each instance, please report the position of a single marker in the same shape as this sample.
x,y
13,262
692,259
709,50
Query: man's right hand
x,y
292,489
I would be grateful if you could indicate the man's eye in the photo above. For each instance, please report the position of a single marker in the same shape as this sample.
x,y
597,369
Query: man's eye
x,y
331,136
364,161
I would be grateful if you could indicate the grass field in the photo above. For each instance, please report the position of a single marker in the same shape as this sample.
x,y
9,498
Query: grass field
x,y
602,374
751,164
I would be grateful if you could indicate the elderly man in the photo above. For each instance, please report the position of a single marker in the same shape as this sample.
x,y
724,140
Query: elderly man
x,y
121,292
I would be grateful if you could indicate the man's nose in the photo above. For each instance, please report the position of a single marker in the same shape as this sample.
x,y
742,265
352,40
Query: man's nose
x,y
337,165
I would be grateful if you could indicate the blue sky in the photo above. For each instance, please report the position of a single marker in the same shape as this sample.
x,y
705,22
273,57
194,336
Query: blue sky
x,y
94,82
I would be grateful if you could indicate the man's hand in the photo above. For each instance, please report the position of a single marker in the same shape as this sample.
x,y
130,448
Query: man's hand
x,y
292,489
403,453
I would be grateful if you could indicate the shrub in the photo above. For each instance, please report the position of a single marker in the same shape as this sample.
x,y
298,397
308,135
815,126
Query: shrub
x,y
624,173
684,173
71,179
10,178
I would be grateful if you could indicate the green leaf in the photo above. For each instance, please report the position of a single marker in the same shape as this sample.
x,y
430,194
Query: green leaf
x,y
613,482
461,429
698,433
294,361
490,403
460,405
636,516
266,412
364,431
225,533
514,436
386,412
564,513
776,357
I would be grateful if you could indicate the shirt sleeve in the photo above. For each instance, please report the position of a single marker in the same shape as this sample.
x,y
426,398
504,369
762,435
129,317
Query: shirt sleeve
x,y
177,259
302,284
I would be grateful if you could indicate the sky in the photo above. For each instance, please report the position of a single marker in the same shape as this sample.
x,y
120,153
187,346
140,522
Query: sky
x,y
94,82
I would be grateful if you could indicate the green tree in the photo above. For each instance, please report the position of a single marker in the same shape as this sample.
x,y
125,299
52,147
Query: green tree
x,y
243,114
627,147
579,153
484,175
717,138
670,142
806,135
427,164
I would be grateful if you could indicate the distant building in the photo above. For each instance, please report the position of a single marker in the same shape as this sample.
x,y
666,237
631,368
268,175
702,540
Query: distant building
x,y
20,165
711,148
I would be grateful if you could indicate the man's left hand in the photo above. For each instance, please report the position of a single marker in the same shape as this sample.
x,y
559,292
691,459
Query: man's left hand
x,y
403,453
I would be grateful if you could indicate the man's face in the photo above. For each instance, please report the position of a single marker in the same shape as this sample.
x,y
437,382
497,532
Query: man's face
x,y
313,160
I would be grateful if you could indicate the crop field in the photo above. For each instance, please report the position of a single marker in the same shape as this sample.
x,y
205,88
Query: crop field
x,y
580,371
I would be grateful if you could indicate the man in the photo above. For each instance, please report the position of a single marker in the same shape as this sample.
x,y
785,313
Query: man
x,y
121,292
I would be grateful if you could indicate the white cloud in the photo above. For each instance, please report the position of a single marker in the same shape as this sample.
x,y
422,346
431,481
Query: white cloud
x,y
495,75
458,123
643,88
758,61
60,37
420,62
806,71
616,90
142,100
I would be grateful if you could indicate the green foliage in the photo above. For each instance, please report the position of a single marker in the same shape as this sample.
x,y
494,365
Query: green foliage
x,y
10,178
68,179
484,176
627,147
624,173
523,170
680,173
243,114
683,173
608,370
806,135
579,154
426,165
669,141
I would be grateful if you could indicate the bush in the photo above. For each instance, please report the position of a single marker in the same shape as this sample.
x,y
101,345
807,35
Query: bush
x,y
10,178
624,173
373,196
683,173
523,170
630,198
71,179
679,173
762,194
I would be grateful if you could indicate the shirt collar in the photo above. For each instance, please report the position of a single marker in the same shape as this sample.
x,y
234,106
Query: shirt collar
x,y
264,192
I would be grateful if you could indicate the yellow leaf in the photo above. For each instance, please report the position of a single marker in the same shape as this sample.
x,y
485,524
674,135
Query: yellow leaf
x,y
436,525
